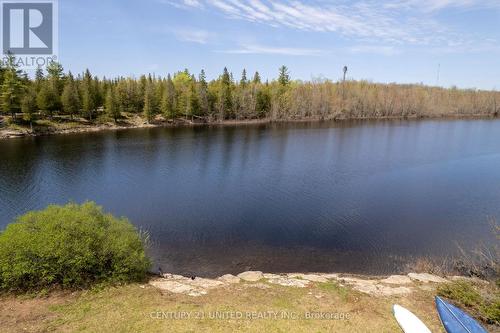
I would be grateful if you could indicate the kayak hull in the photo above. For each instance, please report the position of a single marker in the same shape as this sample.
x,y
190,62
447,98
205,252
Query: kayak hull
x,y
455,320
408,322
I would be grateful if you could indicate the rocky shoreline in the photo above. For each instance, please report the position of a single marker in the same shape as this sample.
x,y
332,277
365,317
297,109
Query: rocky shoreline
x,y
138,122
129,123
378,286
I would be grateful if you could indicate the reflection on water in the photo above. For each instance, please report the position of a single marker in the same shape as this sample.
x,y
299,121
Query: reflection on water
x,y
349,196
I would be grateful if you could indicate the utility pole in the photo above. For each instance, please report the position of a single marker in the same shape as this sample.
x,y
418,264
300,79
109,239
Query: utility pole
x,y
438,74
343,82
495,113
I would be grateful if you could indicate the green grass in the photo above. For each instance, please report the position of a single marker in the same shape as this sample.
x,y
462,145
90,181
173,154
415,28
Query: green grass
x,y
334,287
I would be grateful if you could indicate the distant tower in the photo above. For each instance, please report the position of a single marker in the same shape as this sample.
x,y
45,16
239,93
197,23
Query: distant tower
x,y
343,82
439,74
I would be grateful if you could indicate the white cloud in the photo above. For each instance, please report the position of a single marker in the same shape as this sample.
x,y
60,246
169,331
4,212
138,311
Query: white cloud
x,y
387,22
261,49
192,3
375,49
183,3
193,35
435,5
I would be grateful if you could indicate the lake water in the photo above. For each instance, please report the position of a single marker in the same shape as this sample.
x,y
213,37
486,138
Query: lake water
x,y
364,197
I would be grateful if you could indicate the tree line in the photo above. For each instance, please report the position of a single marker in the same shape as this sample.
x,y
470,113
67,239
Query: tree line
x,y
52,92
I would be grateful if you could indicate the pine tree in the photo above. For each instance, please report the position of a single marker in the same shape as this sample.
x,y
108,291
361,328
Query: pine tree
x,y
256,78
148,108
99,92
226,98
284,76
182,83
55,70
111,105
10,93
11,89
263,102
39,77
28,105
194,101
203,93
244,81
202,78
2,72
47,99
88,95
70,98
167,106
39,74
55,76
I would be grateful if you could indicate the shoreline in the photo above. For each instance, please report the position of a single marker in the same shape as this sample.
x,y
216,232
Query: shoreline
x,y
372,285
79,126
251,301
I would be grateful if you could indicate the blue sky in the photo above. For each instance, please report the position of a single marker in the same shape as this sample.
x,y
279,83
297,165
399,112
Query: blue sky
x,y
383,41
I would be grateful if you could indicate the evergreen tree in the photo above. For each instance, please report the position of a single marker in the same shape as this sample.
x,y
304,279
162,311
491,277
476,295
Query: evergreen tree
x,y
88,95
256,78
29,106
11,89
122,94
182,83
167,106
70,98
263,102
39,77
203,93
194,101
2,72
148,108
244,81
99,92
284,76
202,78
226,98
39,74
111,106
55,76
55,70
47,99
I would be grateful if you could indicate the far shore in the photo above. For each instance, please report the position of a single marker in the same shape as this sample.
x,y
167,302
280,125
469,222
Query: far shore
x,y
64,125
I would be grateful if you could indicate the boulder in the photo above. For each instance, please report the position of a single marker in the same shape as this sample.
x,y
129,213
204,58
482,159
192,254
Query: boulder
x,y
204,283
426,278
289,282
229,278
397,279
353,280
309,277
251,276
177,287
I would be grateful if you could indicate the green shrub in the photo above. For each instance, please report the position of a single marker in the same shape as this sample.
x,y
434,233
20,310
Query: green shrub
x,y
484,304
73,246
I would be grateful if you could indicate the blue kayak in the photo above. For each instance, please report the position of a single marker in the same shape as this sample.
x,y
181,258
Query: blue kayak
x,y
455,320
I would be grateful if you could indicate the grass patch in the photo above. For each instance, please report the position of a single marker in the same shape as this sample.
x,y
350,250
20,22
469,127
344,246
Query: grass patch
x,y
334,288
134,308
483,303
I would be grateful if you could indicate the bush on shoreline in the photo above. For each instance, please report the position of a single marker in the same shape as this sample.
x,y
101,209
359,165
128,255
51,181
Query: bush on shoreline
x,y
72,246
483,303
